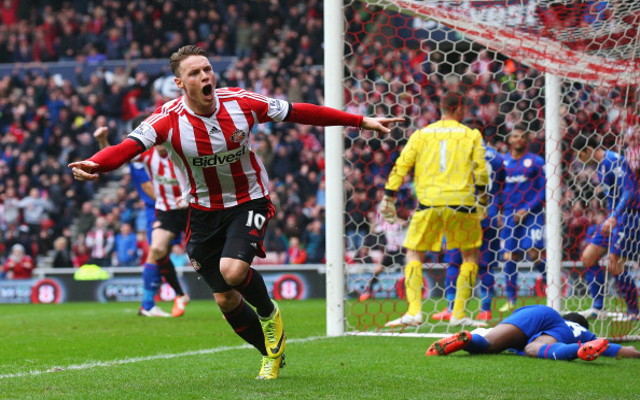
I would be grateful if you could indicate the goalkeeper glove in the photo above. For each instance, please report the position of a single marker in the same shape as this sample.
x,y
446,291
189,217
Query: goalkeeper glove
x,y
388,208
483,199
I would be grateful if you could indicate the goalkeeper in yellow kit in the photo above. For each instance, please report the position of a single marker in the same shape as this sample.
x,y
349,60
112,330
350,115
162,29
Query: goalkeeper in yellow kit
x,y
450,177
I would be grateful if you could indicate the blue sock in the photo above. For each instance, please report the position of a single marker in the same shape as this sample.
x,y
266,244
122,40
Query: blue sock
x,y
559,351
510,268
450,284
612,351
487,281
628,291
477,345
151,280
595,281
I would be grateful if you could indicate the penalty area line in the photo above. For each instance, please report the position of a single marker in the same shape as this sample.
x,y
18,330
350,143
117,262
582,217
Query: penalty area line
x,y
89,365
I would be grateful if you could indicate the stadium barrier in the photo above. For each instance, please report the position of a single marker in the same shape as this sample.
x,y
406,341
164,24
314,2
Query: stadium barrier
x,y
58,285
300,282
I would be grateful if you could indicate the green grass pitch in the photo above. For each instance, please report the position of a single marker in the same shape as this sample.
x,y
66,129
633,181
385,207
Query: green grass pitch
x,y
104,351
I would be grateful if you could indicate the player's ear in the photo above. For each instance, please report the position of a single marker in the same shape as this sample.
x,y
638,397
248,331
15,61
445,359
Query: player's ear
x,y
179,83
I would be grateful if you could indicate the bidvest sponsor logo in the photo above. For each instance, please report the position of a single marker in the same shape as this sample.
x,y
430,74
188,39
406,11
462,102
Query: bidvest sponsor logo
x,y
216,160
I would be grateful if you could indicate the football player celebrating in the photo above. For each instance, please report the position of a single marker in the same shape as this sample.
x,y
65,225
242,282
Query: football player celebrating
x,y
206,131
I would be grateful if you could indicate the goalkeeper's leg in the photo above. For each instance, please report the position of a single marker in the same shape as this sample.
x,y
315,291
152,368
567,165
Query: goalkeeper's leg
x,y
413,288
413,283
464,288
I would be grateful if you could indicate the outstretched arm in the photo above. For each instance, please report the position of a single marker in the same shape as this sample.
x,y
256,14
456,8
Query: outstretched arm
x,y
106,160
311,114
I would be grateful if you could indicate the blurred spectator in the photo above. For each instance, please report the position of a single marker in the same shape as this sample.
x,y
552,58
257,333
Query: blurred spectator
x,y
99,241
10,215
86,218
296,254
313,240
357,227
35,209
19,265
80,253
126,247
61,255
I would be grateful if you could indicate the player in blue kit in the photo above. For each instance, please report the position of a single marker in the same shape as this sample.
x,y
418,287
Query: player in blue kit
x,y
536,331
489,249
523,209
619,234
152,278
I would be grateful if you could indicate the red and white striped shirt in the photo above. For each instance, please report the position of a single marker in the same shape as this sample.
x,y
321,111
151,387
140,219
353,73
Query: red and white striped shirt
x,y
166,178
213,152
100,242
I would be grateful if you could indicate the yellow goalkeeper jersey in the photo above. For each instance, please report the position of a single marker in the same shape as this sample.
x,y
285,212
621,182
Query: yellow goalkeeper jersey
x,y
448,159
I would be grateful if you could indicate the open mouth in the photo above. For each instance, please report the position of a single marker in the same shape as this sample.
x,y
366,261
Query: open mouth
x,y
207,90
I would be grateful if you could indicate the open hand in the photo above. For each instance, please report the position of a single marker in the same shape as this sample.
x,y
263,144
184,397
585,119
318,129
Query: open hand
x,y
608,225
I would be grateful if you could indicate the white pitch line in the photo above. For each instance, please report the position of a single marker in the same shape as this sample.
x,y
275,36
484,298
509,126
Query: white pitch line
x,y
147,358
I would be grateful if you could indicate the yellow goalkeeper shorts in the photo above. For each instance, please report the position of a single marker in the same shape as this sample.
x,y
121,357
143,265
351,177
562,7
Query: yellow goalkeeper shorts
x,y
428,227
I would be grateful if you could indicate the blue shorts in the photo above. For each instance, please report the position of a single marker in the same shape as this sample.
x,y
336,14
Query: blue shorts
x,y
625,237
539,320
529,234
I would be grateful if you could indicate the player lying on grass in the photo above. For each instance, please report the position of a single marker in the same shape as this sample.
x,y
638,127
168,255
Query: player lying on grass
x,y
536,331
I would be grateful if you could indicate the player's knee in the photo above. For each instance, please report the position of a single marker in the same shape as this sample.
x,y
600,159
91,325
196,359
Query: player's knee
x,y
157,252
227,301
532,349
233,273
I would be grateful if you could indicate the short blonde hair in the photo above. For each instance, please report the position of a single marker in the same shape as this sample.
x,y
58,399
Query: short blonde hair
x,y
181,54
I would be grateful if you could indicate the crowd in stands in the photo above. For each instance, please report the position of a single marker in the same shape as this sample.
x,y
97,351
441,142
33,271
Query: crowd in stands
x,y
46,123
394,73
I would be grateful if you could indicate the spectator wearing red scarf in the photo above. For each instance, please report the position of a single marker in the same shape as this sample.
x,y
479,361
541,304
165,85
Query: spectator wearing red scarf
x,y
19,265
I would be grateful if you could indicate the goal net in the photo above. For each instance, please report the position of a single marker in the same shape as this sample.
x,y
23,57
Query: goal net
x,y
536,74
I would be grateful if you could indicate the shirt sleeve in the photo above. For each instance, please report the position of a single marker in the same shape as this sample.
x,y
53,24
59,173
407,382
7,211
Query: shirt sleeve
x,y
404,163
628,189
539,186
145,134
480,172
267,109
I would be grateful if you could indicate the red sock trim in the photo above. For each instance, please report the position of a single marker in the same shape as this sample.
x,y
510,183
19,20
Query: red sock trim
x,y
235,311
246,281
